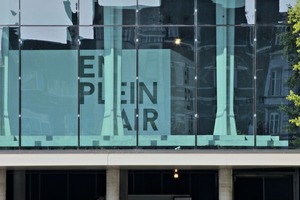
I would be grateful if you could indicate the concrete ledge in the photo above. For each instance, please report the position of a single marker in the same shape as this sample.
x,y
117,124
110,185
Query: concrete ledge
x,y
147,159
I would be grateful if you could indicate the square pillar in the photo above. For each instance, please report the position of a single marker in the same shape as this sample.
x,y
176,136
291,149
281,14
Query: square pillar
x,y
225,184
112,184
2,184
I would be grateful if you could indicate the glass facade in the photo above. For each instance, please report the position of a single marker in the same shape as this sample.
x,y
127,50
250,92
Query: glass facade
x,y
177,74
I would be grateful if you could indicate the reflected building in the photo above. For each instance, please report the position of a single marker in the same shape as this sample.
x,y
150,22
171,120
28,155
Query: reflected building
x,y
110,99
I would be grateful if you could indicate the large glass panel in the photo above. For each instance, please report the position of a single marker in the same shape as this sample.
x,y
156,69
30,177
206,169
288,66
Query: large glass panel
x,y
225,12
107,12
9,87
272,71
44,12
49,88
60,184
166,87
265,185
107,87
166,12
225,87
9,12
277,10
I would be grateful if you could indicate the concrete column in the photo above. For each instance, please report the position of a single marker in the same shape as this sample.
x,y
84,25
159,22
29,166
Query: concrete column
x,y
19,185
112,184
225,184
2,184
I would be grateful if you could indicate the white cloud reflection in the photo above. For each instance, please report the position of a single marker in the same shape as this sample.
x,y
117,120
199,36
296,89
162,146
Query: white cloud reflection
x,y
284,4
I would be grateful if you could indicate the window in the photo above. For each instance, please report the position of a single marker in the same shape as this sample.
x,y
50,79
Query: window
x,y
275,83
274,123
279,31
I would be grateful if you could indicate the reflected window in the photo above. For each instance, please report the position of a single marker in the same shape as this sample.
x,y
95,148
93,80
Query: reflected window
x,y
275,83
274,123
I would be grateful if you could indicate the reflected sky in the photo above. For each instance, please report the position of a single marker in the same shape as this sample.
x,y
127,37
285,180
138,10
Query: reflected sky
x,y
9,12
129,2
51,34
284,4
45,12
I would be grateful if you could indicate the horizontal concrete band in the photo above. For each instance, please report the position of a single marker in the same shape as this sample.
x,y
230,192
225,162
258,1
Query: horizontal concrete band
x,y
146,159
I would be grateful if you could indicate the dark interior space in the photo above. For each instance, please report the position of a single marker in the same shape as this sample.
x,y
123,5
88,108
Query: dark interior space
x,y
264,186
196,183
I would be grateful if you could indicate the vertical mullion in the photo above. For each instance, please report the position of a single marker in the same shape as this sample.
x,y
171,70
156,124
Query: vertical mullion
x,y
196,72
20,77
78,76
137,73
254,76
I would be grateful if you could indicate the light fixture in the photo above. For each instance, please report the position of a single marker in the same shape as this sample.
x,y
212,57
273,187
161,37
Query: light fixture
x,y
176,175
177,41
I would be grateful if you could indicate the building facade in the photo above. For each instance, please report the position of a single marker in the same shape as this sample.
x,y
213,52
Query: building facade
x,y
105,99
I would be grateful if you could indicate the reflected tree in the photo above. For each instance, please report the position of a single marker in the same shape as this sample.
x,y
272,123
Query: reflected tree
x,y
291,42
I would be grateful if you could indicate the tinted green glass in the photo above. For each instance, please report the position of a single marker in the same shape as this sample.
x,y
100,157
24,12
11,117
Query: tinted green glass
x,y
49,89
9,87
107,87
166,87
225,86
154,82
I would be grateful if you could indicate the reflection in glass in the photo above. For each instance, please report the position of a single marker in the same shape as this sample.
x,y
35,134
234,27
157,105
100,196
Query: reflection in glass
x,y
9,12
225,86
167,92
241,12
166,87
272,71
49,93
166,12
9,87
59,35
37,12
277,11
107,81
106,12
